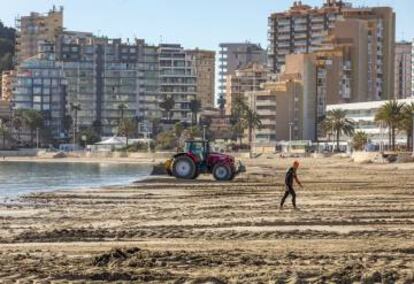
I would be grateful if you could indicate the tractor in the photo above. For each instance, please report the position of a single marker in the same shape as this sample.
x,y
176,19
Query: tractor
x,y
198,158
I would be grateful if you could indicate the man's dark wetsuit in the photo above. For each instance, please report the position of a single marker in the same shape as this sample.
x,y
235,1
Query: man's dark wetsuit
x,y
290,176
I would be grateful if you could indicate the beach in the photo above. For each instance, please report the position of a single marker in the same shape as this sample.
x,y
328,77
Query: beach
x,y
356,225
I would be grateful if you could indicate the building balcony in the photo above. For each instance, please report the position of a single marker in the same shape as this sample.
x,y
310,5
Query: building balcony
x,y
317,27
262,103
300,28
284,30
318,20
283,44
301,21
283,37
267,112
285,22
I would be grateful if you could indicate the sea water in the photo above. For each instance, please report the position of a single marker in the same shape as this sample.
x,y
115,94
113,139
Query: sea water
x,y
18,178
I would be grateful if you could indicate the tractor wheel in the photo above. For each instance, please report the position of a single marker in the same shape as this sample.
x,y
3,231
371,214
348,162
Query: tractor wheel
x,y
233,175
184,167
222,172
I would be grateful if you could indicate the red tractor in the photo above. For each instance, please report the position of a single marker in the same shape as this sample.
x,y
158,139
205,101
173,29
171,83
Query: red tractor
x,y
198,158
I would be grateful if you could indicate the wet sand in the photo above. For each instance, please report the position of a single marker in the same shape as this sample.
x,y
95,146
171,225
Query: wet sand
x,y
356,225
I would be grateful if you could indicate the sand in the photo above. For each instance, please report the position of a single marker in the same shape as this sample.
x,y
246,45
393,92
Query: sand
x,y
356,225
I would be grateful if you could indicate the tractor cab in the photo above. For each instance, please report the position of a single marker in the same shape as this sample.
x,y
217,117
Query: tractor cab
x,y
199,148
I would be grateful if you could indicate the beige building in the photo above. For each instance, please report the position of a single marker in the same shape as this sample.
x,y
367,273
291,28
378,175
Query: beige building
x,y
264,103
305,29
403,69
287,105
36,29
6,85
247,79
205,62
342,66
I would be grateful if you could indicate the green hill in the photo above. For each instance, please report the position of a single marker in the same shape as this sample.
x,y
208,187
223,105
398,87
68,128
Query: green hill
x,y
7,40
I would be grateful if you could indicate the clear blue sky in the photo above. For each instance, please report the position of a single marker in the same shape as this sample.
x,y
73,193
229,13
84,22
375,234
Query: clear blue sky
x,y
194,23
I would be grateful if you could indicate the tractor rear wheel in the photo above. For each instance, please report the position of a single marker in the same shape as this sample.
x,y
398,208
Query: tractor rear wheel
x,y
184,168
222,172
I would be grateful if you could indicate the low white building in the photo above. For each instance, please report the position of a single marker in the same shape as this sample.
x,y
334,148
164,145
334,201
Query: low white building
x,y
363,114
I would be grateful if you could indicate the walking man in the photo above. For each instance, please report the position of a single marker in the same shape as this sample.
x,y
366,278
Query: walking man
x,y
290,176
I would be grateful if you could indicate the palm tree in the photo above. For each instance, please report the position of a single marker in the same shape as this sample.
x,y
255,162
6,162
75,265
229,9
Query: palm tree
x,y
127,128
17,122
75,107
359,140
391,113
238,126
33,120
195,107
5,133
252,121
407,123
337,121
167,105
122,107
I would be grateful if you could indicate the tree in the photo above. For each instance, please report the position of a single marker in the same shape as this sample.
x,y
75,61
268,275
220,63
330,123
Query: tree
x,y
391,114
168,105
337,121
75,107
91,136
238,125
178,129
407,124
127,128
327,128
17,122
156,126
97,127
7,48
4,133
33,120
67,123
359,140
195,107
166,141
122,107
252,121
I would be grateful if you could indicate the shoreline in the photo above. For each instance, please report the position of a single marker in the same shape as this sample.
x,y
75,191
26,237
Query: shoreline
x,y
81,160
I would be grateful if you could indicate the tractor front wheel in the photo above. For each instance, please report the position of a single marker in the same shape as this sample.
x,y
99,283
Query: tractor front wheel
x,y
184,168
222,173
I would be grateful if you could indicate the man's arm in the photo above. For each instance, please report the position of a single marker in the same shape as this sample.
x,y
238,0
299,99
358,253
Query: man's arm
x,y
297,180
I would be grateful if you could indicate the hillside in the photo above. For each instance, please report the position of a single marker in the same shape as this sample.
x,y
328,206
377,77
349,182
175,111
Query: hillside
x,y
7,39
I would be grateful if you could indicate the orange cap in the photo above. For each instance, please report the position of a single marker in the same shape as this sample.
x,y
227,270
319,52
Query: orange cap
x,y
296,163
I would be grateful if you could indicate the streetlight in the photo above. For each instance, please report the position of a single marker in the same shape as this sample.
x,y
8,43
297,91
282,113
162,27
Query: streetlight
x,y
290,135
412,135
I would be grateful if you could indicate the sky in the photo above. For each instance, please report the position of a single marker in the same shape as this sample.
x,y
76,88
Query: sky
x,y
193,23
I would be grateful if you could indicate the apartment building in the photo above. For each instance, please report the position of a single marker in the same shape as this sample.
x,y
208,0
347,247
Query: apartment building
x,y
246,79
234,56
6,84
39,84
97,74
304,29
178,80
204,62
342,66
36,29
403,70
287,103
264,103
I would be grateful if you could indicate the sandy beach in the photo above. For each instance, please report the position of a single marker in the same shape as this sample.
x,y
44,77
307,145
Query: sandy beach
x,y
356,225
